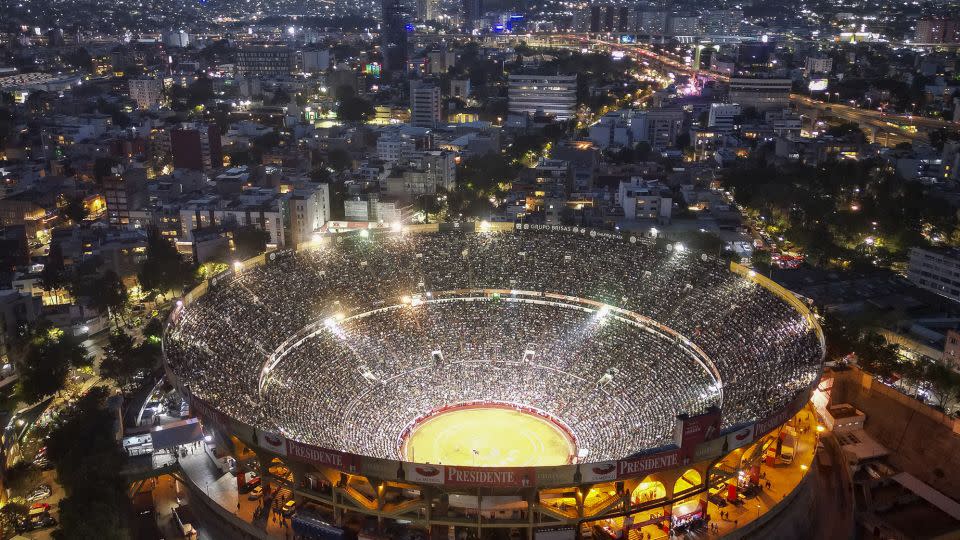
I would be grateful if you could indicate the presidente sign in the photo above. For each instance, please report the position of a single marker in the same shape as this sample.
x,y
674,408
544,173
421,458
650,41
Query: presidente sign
x,y
321,457
488,476
644,465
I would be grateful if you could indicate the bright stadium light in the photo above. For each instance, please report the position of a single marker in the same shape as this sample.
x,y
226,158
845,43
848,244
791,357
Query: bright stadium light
x,y
364,233
679,247
396,226
484,225
753,273
654,231
237,266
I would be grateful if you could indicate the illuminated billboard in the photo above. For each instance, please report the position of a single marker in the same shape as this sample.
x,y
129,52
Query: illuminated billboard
x,y
817,85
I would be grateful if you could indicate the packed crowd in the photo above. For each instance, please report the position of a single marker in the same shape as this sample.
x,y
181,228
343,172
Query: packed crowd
x,y
349,385
411,360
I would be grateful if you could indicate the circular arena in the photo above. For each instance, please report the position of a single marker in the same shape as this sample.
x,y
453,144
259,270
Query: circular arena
x,y
494,347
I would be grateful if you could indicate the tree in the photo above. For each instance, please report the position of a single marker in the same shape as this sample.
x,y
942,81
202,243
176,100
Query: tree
x,y
944,384
164,269
249,241
124,362
73,209
53,277
50,354
96,505
354,109
110,296
339,159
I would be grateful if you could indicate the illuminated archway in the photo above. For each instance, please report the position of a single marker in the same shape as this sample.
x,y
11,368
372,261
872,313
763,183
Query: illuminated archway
x,y
690,478
648,490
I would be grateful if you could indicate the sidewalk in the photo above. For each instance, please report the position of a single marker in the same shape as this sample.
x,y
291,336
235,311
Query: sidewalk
x,y
783,479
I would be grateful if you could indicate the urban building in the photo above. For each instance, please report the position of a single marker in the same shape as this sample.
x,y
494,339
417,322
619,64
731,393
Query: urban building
x,y
936,270
393,34
148,93
424,105
937,30
722,116
819,64
125,193
761,93
196,146
550,94
265,60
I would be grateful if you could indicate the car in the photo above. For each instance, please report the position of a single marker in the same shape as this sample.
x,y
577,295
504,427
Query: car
x,y
41,522
41,492
40,505
255,493
288,508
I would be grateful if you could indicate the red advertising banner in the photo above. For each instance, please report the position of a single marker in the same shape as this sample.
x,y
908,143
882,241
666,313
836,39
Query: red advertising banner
x,y
762,427
321,457
645,465
209,414
603,471
698,429
489,477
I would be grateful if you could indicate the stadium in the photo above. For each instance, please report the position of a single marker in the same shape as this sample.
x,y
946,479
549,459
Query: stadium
x,y
501,369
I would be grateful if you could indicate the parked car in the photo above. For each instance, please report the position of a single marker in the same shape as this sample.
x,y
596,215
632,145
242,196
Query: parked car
x,y
255,493
41,492
289,508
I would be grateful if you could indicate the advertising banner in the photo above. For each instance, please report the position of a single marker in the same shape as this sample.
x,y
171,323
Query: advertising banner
x,y
769,423
694,430
644,465
560,475
322,457
490,477
603,471
740,438
272,442
384,469
427,474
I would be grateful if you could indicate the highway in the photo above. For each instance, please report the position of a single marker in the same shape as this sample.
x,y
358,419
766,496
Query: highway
x,y
885,128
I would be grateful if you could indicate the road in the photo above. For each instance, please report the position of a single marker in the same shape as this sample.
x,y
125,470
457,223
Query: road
x,y
885,124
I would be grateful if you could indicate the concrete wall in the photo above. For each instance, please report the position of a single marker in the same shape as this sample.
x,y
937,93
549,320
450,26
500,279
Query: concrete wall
x,y
921,440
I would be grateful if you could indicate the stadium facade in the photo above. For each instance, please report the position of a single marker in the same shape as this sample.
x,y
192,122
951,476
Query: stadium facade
x,y
672,452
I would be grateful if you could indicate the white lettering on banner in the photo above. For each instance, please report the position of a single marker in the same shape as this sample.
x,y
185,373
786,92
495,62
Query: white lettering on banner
x,y
457,475
316,456
644,465
479,477
570,229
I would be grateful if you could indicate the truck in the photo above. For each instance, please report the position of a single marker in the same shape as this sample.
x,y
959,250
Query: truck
x,y
788,446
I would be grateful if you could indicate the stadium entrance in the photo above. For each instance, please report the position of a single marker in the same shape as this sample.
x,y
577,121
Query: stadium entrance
x,y
488,435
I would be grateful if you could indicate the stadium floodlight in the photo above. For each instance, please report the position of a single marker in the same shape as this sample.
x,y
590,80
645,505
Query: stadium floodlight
x,y
654,231
679,247
179,303
339,316
364,233
484,225
237,266
753,273
330,322
396,226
